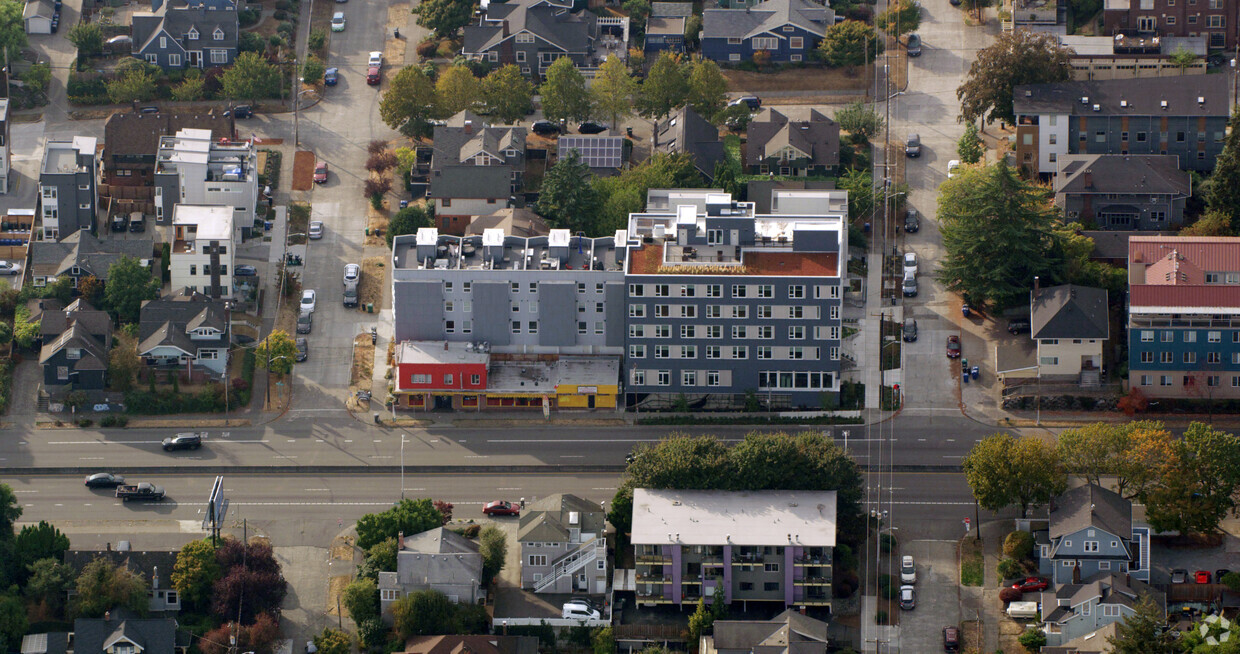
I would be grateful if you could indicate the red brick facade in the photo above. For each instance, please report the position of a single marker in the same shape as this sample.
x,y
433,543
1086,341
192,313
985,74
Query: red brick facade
x,y
1214,19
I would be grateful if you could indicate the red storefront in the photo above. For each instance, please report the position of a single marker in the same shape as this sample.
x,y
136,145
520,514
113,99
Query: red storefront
x,y
440,374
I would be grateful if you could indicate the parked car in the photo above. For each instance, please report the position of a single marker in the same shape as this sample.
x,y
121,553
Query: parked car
x,y
104,480
910,263
574,611
352,272
1031,584
752,101
908,598
912,221
951,639
373,75
184,441
909,287
331,76
308,300
137,224
320,172
953,347
245,270
303,349
1179,576
908,572
305,322
914,45
910,330
10,268
1019,326
501,507
912,146
316,230
1202,576
591,127
120,222
375,58
242,111
338,21
545,128
951,168
586,602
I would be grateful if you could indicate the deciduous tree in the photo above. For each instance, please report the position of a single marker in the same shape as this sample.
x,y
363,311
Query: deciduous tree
x,y
312,70
900,18
444,17
860,120
131,86
1143,632
508,93
251,77
13,623
123,364
409,102
49,582
613,90
1198,488
1213,223
564,93
566,197
103,586
10,511
278,352
493,546
88,37
12,28
192,88
1003,471
665,87
708,89
195,573
422,613
860,187
1015,58
457,89
623,194
409,220
1094,450
1183,58
970,148
361,599
333,641
129,283
850,44
408,516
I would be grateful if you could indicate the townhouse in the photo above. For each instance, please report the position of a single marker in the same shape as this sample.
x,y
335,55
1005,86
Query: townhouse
x,y
192,168
1213,19
67,186
1122,192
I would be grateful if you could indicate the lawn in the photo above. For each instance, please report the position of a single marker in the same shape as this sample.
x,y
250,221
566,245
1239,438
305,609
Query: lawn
x,y
972,563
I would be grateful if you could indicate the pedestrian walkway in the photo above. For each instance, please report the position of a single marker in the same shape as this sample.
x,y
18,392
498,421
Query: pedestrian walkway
x,y
875,637
877,310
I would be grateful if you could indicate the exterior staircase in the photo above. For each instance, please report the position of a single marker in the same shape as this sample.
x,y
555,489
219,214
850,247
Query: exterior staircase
x,y
566,566
1091,379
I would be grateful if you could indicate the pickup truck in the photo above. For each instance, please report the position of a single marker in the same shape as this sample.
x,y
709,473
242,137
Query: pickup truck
x,y
143,491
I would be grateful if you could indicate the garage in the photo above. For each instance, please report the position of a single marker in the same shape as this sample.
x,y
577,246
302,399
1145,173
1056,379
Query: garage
x,y
38,16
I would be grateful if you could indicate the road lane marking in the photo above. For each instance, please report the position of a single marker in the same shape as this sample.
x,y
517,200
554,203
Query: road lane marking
x,y
317,489
512,488
381,456
24,491
571,456
160,442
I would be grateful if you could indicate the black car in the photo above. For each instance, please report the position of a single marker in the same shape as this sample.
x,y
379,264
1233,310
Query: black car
x,y
120,222
242,111
914,45
137,224
245,271
591,127
752,101
305,322
912,221
186,441
910,330
545,128
303,349
1020,326
104,480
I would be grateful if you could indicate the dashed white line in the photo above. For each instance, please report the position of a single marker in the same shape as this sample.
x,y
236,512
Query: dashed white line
x,y
380,456
571,456
316,489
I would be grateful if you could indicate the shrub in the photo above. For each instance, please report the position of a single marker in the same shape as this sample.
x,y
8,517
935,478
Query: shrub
x,y
1010,568
1231,580
376,201
426,49
275,40
1032,639
376,186
1010,595
376,146
445,49
87,88
114,421
1018,545
381,162
85,422
471,531
318,39
279,14
248,16
887,543
287,29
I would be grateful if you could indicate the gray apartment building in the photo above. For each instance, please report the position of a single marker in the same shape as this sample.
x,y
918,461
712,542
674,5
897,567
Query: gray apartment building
x,y
563,547
767,546
1111,191
1184,116
67,186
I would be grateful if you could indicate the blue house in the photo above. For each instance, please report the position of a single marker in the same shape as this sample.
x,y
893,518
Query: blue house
x,y
1084,606
788,29
665,28
1091,532
180,34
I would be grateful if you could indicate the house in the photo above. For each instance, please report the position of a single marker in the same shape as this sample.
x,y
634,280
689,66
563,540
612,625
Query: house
x,y
665,27
80,254
1091,531
38,15
131,141
154,565
563,546
686,131
522,223
1085,605
1120,57
1184,116
789,632
437,559
462,148
1094,642
179,34
192,168
461,192
186,329
1216,20
1070,324
1122,192
604,154
76,343
67,186
760,546
1183,303
6,155
472,645
779,144
789,30
203,245
532,34
120,631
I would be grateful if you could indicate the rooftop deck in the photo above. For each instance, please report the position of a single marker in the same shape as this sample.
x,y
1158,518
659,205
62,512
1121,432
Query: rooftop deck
x,y
671,259
466,253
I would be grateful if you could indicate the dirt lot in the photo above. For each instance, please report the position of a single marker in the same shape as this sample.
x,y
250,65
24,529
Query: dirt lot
x,y
377,221
363,362
798,79
374,281
971,637
303,170
394,49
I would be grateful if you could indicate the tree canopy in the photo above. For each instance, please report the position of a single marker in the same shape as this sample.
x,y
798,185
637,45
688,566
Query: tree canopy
x,y
665,87
1199,483
409,220
564,93
493,546
508,94
850,44
900,18
1015,58
860,120
103,586
41,541
457,88
195,572
566,198
408,516
129,283
444,17
250,585
12,28
251,77
1003,471
361,599
88,37
613,90
134,85
13,622
708,89
970,148
422,613
278,351
1223,188
409,101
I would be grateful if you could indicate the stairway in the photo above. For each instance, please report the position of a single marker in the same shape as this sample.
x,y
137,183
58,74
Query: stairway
x,y
1091,379
570,563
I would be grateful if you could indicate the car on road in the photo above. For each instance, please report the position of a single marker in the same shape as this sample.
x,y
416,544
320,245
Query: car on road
x,y
104,480
305,322
375,58
320,172
303,349
951,639
1202,576
501,507
308,300
331,76
1031,584
910,263
912,221
951,168
1179,576
914,45
352,272
374,75
338,21
574,611
245,271
10,268
591,127
908,571
912,146
545,128
953,347
909,287
910,330
316,230
1019,326
908,598
191,440
752,101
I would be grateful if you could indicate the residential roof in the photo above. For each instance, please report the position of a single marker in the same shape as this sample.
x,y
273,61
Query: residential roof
x,y
212,222
438,556
550,518
665,25
151,635
56,642
55,318
85,252
179,20
598,151
1105,588
149,564
710,517
1122,174
1090,506
466,135
1208,299
1094,642
514,222
686,131
92,347
168,321
1199,253
1070,311
42,8
1126,97
767,18
571,32
136,133
1111,244
671,9
761,191
471,182
815,135
472,645
787,633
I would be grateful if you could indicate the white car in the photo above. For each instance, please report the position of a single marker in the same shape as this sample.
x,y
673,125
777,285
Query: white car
x,y
910,263
376,59
951,168
908,572
351,272
316,229
575,611
338,21
308,301
10,268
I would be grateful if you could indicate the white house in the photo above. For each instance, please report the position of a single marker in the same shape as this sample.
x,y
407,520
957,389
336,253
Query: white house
x,y
1070,326
203,244
191,169
38,16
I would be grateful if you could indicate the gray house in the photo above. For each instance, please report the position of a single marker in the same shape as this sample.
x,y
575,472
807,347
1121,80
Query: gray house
x,y
1081,607
686,131
185,330
80,254
1091,532
497,155
155,566
437,559
532,34
187,34
76,343
789,632
800,145
665,27
788,30
1070,325
67,186
563,546
1145,192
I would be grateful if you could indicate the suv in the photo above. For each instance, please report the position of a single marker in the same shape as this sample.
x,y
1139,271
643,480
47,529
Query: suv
x,y
752,101
951,639
577,611
909,288
137,224
910,331
912,222
914,45
912,146
185,441
1019,326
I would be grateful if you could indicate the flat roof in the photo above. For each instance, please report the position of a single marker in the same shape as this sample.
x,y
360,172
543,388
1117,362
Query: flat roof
x,y
439,352
214,221
710,517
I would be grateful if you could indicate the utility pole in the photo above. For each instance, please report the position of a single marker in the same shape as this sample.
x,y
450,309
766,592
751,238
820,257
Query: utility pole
x,y
296,109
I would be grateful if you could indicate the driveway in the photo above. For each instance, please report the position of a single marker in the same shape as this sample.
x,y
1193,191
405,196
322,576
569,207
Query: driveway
x,y
938,603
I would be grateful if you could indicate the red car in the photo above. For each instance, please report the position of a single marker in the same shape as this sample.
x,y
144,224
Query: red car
x,y
500,507
320,173
1202,576
1030,584
372,75
953,347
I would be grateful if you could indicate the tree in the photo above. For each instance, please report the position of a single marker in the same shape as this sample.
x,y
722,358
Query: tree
x,y
564,93
38,76
603,640
312,69
1213,223
850,44
1015,58
1143,632
409,220
259,637
901,18
457,89
624,194
665,87
132,86
373,633
860,120
1148,447
129,283
1197,488
12,29
996,229
13,622
1182,58
123,364
192,88
49,582
10,511
508,94
708,90
361,599
88,38
102,587
277,352
41,541
970,148
1094,450
701,620
444,17
408,516
333,641
976,6
1003,471
1223,188
250,78
409,102
566,198
195,572
860,187
380,557
725,177
493,546
613,90
247,592
422,613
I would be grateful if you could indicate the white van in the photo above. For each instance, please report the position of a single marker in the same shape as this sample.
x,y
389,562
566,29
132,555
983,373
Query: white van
x,y
579,611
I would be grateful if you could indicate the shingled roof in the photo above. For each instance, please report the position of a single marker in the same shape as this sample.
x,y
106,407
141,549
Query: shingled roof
x,y
767,18
549,519
136,133
1126,97
1090,506
571,32
686,131
168,321
816,135
1154,174
151,636
1070,311
85,252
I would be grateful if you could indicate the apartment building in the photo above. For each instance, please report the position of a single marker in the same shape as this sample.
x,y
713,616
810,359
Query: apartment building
x,y
1184,316
1147,192
563,546
765,546
67,186
191,168
1213,19
203,244
1118,57
1184,116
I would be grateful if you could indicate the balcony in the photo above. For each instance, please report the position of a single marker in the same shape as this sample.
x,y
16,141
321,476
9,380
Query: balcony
x,y
653,558
812,560
812,581
653,579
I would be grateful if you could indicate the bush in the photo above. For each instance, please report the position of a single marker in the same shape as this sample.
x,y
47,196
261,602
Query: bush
x,y
1018,545
886,588
426,49
376,186
375,146
87,88
1033,639
85,422
1010,595
445,49
1231,580
1010,568
279,14
287,29
114,421
470,531
887,543
381,162
318,39
248,16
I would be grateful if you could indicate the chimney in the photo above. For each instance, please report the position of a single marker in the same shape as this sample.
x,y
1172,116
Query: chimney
x,y
155,578
1128,579
469,127
400,541
1037,287
1088,176
109,546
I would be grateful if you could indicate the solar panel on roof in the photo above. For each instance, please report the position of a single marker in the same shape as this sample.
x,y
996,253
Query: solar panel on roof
x,y
595,152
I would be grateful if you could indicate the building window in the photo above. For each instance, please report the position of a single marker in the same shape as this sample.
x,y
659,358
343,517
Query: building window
x,y
766,291
662,351
1147,357
174,60
665,378
712,352
1146,381
639,377
712,377
770,567
532,326
714,290
763,312
538,559
1147,336
688,378
1190,357
219,56
796,332
475,379
739,290
1214,337
516,326
1166,357
1190,337
1091,546
389,595
796,42
1164,380
637,351
218,34
765,352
